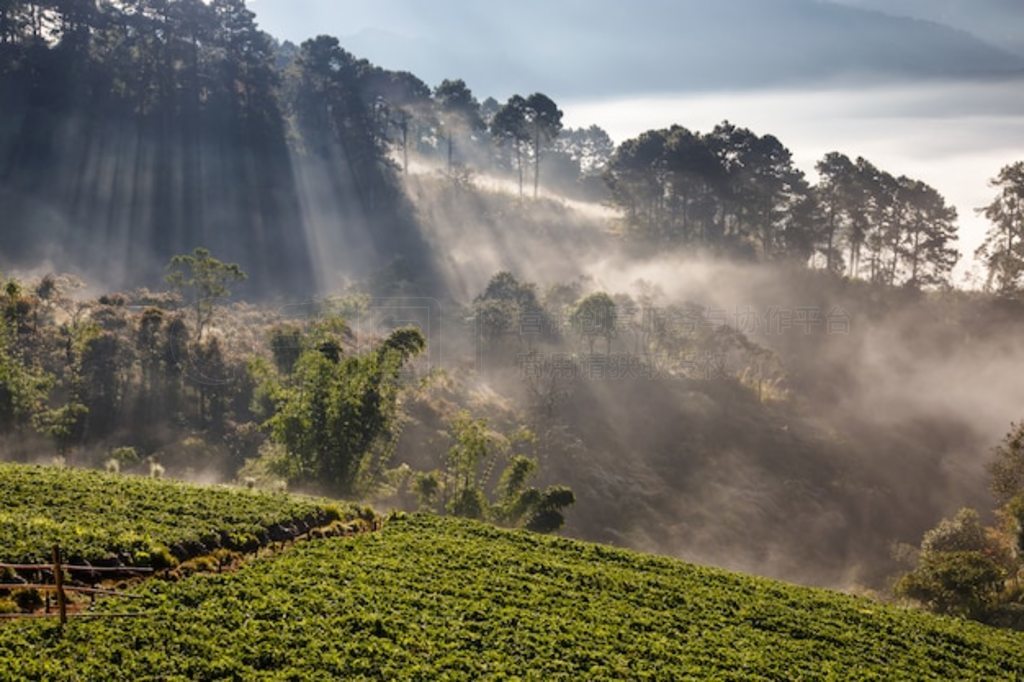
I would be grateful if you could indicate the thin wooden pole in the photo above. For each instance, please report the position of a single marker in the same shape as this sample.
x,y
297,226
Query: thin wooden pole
x,y
58,575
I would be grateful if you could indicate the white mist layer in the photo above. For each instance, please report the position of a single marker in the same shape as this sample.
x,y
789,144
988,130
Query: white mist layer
x,y
954,136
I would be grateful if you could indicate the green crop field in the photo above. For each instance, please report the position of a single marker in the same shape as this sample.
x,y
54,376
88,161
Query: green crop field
x,y
115,519
430,598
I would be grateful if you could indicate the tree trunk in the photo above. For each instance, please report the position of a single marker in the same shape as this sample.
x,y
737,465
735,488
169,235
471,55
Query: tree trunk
x,y
536,164
831,236
685,196
1009,235
896,248
914,257
519,165
405,145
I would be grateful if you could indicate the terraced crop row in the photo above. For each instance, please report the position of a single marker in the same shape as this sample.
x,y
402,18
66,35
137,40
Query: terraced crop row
x,y
431,598
126,520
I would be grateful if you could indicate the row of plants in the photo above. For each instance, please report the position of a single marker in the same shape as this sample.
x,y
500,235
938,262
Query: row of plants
x,y
114,520
444,598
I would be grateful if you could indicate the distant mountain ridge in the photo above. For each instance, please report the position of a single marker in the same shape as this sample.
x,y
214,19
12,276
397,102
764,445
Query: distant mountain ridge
x,y
579,48
999,22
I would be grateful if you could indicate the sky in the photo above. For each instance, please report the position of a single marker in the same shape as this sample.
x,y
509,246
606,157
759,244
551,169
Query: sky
x,y
954,136
939,102
570,48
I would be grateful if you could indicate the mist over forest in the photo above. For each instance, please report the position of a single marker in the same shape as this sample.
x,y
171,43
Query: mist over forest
x,y
235,257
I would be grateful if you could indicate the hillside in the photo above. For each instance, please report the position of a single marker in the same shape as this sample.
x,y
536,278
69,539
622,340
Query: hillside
x,y
995,21
431,598
112,520
339,367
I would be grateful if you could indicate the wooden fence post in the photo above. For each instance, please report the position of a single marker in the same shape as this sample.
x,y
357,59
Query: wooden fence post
x,y
58,576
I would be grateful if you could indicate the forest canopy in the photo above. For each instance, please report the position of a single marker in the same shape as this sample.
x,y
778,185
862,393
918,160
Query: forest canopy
x,y
680,341
146,129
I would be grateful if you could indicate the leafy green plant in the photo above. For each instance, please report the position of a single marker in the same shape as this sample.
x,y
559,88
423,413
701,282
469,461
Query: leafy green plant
x,y
470,460
956,582
335,415
134,520
445,598
203,281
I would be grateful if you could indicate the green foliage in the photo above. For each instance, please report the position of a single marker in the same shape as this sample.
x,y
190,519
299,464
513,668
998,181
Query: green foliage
x,y
125,456
100,380
406,343
963,566
286,346
509,128
962,533
211,385
1007,467
472,444
134,520
545,515
430,598
510,308
63,424
468,503
203,282
334,414
426,486
120,458
535,120
495,320
596,316
504,286
533,509
458,113
955,582
23,390
1003,249
958,569
1013,513
544,123
271,468
733,191
472,457
514,479
352,306
589,148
